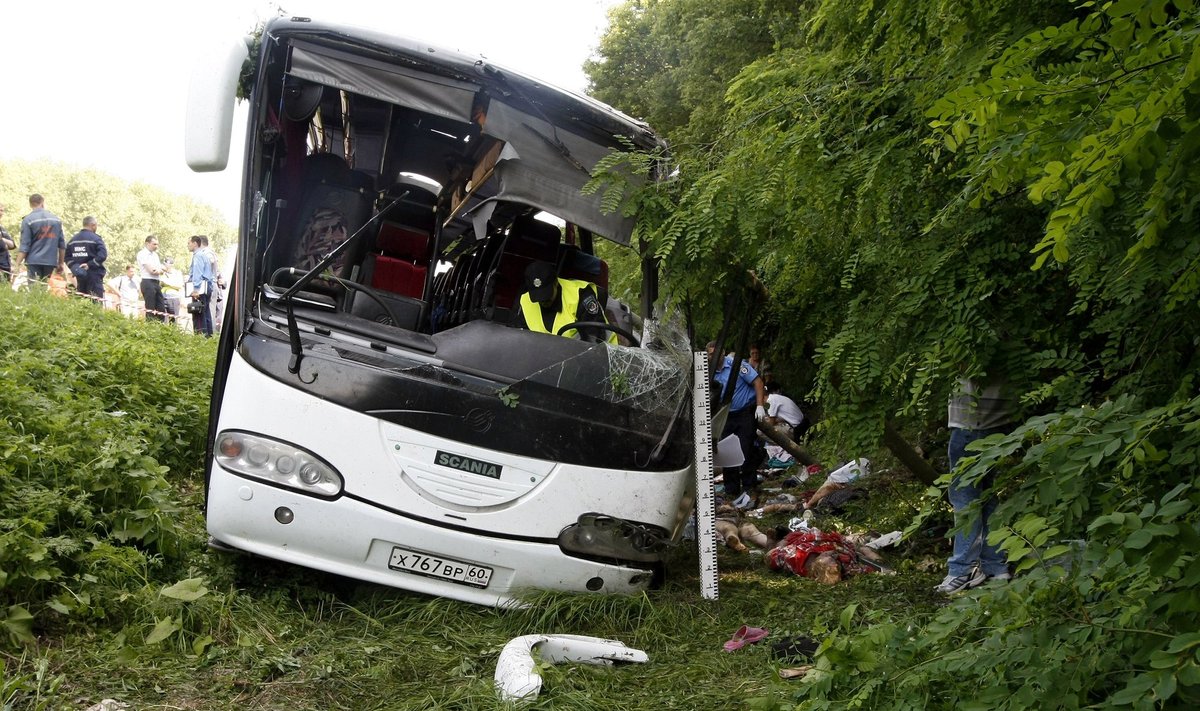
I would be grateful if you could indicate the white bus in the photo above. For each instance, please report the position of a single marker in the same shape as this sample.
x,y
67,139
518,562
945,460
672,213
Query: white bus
x,y
375,412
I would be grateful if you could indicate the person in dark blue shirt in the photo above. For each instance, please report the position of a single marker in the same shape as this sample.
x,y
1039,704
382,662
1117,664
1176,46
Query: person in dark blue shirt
x,y
748,405
86,255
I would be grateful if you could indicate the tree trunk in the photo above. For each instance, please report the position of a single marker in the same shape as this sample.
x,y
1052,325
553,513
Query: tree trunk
x,y
908,456
777,436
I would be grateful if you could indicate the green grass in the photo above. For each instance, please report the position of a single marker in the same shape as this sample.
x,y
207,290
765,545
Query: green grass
x,y
268,635
293,639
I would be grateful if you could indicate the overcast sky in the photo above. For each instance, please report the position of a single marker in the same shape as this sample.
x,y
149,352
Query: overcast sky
x,y
104,84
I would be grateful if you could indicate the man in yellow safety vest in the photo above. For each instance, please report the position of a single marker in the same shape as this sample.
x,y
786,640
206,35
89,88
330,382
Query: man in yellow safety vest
x,y
550,302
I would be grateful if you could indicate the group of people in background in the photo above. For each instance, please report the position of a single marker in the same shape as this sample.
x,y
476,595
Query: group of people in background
x,y
152,286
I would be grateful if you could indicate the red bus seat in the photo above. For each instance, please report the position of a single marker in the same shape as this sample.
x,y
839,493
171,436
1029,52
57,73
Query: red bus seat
x,y
400,260
398,276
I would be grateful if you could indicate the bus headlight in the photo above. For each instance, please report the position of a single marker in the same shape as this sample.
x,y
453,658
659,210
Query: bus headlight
x,y
598,536
277,463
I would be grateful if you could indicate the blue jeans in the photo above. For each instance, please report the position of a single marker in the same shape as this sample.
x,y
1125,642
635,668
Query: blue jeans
x,y
970,544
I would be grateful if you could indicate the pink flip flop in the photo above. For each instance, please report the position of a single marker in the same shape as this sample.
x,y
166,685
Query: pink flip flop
x,y
746,635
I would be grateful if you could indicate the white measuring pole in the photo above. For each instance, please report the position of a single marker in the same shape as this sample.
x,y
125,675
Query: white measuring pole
x,y
706,512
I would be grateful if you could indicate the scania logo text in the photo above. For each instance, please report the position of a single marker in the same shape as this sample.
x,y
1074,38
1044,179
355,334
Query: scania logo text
x,y
466,464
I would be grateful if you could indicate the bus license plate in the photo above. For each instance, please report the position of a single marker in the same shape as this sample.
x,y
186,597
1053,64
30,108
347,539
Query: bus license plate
x,y
456,571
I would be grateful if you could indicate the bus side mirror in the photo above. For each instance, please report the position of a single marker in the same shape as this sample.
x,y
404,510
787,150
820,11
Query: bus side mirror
x,y
211,98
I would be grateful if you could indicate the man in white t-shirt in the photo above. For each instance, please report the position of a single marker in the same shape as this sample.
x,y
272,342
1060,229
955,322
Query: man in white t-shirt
x,y
784,414
782,410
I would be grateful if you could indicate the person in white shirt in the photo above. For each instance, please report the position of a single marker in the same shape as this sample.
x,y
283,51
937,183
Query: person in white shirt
x,y
784,414
151,270
782,410
126,287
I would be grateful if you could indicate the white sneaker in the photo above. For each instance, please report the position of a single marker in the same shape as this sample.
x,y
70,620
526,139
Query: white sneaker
x,y
742,501
958,583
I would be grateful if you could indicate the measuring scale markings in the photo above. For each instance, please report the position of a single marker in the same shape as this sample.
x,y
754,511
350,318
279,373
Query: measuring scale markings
x,y
706,534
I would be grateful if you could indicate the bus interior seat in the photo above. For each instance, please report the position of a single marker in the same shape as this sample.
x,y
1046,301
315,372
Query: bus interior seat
x,y
400,261
331,187
479,293
577,264
467,284
529,240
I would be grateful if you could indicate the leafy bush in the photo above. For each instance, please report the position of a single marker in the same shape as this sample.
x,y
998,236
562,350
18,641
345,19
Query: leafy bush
x,y
99,411
930,190
1100,516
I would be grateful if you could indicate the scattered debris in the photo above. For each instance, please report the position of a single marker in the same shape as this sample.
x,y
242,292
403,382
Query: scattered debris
x,y
839,478
929,563
801,522
108,705
887,539
794,481
850,471
516,670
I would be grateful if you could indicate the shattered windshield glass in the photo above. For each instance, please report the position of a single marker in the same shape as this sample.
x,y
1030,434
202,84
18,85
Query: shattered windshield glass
x,y
650,379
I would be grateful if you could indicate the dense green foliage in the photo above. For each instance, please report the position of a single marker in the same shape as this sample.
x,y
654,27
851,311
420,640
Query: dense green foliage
x,y
127,212
930,190
100,412
678,84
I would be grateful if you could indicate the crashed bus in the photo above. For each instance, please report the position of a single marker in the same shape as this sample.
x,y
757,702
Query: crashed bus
x,y
375,412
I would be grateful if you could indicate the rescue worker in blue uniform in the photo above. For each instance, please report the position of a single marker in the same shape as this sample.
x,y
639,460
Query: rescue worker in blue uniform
x,y
747,406
86,255
550,302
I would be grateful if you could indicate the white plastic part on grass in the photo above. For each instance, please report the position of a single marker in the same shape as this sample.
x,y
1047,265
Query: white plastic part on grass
x,y
516,674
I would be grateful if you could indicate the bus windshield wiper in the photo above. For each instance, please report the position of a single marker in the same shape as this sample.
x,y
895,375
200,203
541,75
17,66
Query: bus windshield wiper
x,y
307,277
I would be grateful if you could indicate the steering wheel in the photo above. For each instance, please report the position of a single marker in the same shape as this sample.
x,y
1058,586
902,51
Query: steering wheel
x,y
605,326
373,295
